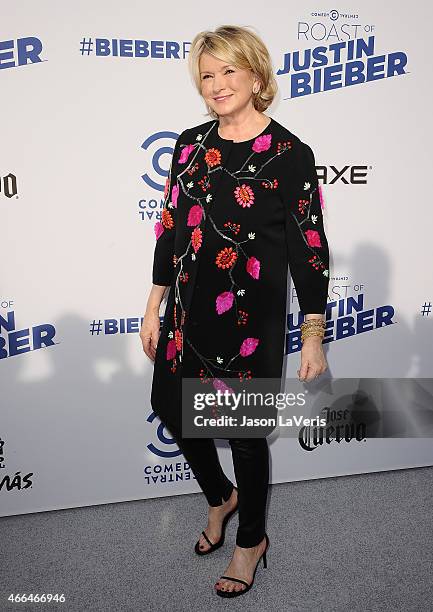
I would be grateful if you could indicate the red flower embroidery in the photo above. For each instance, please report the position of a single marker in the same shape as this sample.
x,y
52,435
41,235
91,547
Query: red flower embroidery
x,y
234,227
226,258
244,195
313,238
193,169
302,204
270,184
284,146
204,182
213,157
242,317
167,219
178,339
196,239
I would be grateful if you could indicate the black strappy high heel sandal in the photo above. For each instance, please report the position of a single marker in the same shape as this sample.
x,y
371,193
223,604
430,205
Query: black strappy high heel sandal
x,y
247,586
223,533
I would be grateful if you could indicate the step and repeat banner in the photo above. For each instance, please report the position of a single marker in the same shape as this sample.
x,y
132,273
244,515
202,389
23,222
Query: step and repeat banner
x,y
93,98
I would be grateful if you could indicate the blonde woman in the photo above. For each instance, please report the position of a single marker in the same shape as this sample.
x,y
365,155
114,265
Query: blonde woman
x,y
241,205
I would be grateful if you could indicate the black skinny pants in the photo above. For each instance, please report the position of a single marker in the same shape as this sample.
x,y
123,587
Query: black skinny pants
x,y
251,467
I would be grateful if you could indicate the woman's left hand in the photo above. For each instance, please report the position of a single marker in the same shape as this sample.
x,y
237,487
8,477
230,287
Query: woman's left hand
x,y
313,361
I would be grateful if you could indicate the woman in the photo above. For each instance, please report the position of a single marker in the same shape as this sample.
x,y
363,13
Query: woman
x,y
241,203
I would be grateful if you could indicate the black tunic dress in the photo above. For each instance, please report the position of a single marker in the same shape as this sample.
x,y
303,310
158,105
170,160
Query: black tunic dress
x,y
235,216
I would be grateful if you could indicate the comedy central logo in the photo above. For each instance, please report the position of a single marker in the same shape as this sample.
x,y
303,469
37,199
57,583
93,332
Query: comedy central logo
x,y
164,444
157,146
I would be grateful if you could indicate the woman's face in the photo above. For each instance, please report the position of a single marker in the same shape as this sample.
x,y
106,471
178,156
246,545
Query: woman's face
x,y
225,88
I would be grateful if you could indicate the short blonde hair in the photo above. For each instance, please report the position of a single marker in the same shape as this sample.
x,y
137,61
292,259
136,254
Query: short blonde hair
x,y
242,48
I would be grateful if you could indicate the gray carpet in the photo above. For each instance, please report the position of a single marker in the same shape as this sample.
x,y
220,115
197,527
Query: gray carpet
x,y
358,543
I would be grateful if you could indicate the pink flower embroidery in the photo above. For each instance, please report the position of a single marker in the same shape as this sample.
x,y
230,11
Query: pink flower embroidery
x,y
174,195
195,214
248,346
220,385
158,228
313,238
244,195
224,302
185,153
253,267
171,349
262,143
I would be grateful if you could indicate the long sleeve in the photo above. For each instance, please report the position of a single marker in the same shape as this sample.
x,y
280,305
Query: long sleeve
x,y
307,245
165,229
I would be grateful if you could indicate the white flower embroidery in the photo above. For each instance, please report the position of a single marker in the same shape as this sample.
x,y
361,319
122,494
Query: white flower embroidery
x,y
325,272
220,359
241,292
314,218
208,197
251,168
307,186
170,205
176,300
199,137
251,235
170,334
180,357
190,184
193,256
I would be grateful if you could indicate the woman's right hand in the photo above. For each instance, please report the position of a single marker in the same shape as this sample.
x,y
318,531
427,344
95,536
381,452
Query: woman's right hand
x,y
149,333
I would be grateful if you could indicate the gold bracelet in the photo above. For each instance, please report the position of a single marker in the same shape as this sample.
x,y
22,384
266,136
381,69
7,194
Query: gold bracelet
x,y
312,327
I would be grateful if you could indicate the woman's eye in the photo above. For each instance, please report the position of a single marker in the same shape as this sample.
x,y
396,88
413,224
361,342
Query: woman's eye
x,y
229,70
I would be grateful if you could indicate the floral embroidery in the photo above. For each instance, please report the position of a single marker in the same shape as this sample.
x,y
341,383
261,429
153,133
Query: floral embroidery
x,y
213,157
316,262
193,169
167,219
262,143
242,317
158,229
302,205
178,339
270,184
183,158
195,215
171,349
253,267
248,346
313,238
196,239
234,227
244,195
166,186
174,195
226,258
284,146
204,183
224,302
